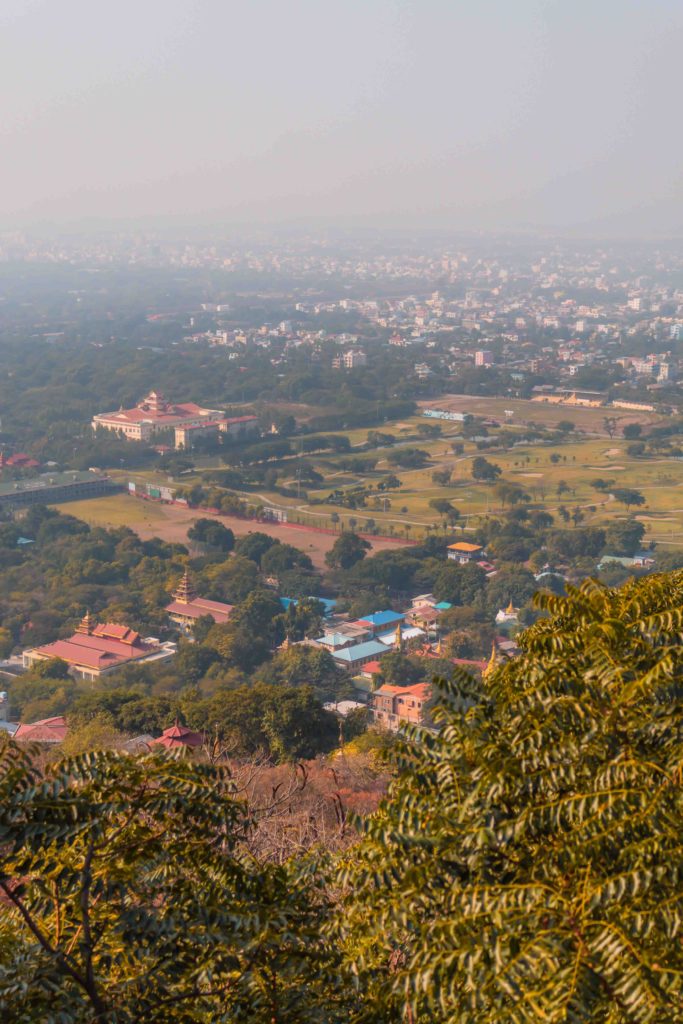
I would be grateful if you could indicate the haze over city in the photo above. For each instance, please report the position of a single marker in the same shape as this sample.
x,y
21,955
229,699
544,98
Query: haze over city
x,y
537,115
341,512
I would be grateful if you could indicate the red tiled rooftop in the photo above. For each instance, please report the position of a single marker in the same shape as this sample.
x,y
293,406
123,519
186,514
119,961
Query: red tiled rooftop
x,y
23,460
47,730
114,631
201,606
108,644
371,667
419,690
168,416
178,736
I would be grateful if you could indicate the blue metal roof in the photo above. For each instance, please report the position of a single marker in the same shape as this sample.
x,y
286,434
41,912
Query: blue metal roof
x,y
369,649
382,618
333,639
328,603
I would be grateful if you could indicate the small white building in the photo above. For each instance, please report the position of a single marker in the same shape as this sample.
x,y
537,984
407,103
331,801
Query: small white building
x,y
464,552
508,616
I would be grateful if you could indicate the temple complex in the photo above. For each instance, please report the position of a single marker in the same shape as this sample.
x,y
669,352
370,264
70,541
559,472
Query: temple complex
x,y
98,648
186,606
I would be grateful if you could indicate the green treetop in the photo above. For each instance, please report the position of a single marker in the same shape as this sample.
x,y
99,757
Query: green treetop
x,y
526,865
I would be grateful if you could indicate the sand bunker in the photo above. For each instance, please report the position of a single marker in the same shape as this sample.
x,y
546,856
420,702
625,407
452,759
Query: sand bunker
x,y
534,475
657,519
611,452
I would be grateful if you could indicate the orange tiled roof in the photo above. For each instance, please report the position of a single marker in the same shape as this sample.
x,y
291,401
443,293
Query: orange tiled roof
x,y
420,690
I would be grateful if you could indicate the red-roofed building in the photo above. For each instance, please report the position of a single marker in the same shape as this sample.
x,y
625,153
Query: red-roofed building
x,y
370,669
47,730
178,736
98,649
152,415
424,616
20,460
435,652
185,436
393,706
186,607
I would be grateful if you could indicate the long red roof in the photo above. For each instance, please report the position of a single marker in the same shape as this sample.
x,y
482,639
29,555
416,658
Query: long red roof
x,y
47,730
107,645
199,606
174,414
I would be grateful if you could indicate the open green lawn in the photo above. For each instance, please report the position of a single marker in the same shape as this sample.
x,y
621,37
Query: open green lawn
x,y
530,467
583,457
114,510
526,411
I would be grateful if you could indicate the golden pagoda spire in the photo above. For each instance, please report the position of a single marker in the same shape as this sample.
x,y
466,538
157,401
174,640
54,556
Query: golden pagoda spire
x,y
494,660
184,592
399,638
510,609
85,625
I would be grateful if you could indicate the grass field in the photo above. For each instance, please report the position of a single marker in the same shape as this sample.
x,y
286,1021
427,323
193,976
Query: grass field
x,y
586,454
525,411
171,523
116,510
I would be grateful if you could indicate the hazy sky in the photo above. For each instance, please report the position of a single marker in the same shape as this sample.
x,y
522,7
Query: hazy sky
x,y
463,113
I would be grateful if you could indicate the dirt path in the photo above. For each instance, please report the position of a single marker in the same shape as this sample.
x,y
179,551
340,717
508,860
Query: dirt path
x,y
171,523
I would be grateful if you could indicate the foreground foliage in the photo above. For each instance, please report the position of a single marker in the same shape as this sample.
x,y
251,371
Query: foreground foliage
x,y
127,896
526,865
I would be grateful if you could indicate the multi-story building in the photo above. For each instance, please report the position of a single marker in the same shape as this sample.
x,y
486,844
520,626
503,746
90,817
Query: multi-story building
x,y
462,552
393,706
185,436
483,357
350,360
153,415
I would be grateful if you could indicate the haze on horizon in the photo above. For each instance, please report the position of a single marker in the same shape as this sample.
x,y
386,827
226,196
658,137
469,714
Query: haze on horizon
x,y
466,114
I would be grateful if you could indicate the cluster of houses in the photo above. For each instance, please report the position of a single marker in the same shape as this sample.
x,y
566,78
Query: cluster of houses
x,y
357,646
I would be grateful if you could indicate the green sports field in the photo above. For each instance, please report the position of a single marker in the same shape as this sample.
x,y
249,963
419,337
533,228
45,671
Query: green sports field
x,y
583,456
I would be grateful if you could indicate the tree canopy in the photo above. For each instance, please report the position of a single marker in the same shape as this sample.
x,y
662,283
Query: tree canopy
x,y
212,533
346,551
526,864
484,470
132,901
